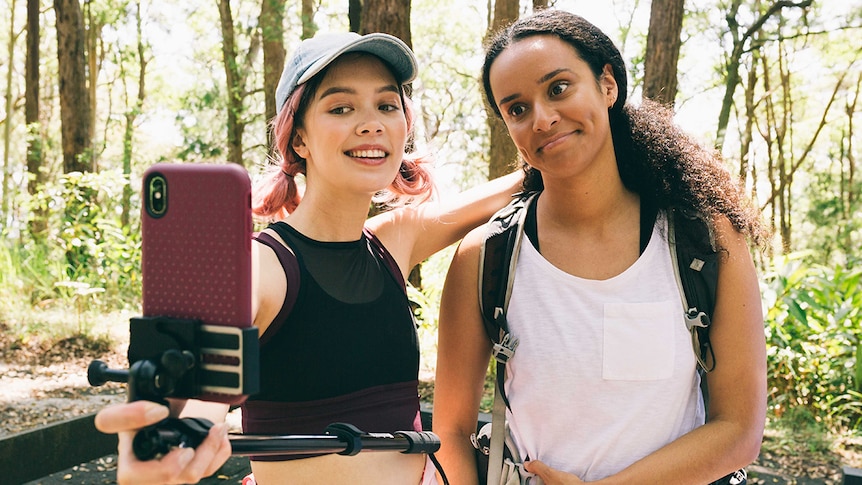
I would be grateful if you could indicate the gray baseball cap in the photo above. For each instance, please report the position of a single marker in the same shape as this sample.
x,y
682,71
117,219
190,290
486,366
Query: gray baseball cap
x,y
314,54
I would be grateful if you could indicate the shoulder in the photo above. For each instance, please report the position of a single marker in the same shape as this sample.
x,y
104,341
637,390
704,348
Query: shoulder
x,y
729,241
473,241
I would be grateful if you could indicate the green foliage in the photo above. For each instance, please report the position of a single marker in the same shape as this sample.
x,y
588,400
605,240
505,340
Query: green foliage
x,y
86,259
813,320
833,213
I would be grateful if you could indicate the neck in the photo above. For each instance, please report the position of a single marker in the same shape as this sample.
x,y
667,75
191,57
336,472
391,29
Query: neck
x,y
593,198
338,218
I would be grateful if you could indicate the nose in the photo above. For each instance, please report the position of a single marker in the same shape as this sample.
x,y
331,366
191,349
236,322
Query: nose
x,y
544,117
369,124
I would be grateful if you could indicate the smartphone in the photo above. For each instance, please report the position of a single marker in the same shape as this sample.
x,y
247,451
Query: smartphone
x,y
196,266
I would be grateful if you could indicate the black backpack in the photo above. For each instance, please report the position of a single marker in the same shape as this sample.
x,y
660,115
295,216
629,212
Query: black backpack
x,y
692,244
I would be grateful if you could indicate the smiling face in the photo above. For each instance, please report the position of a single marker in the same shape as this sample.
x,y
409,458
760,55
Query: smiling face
x,y
353,133
555,109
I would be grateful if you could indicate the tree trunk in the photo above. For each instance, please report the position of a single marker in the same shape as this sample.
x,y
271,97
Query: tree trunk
x,y
502,153
747,135
31,95
31,98
132,112
850,110
662,50
272,34
7,125
389,16
95,52
235,125
74,100
354,14
31,116
309,28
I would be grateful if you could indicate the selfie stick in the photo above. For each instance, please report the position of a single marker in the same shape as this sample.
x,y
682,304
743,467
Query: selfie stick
x,y
340,438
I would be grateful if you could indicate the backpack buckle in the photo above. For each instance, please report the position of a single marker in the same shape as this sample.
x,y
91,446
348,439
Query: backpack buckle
x,y
696,318
505,349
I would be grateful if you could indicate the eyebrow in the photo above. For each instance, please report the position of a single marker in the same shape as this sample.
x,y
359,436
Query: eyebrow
x,y
340,89
541,80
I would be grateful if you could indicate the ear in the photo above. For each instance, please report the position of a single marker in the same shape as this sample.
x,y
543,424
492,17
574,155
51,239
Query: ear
x,y
608,85
298,144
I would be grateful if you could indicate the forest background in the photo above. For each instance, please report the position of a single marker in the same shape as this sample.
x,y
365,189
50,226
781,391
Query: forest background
x,y
95,91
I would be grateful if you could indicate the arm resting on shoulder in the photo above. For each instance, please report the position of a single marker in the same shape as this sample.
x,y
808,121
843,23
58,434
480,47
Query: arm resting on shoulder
x,y
414,233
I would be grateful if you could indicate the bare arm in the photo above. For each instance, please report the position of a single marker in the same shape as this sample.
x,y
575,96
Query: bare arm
x,y
413,234
732,435
462,360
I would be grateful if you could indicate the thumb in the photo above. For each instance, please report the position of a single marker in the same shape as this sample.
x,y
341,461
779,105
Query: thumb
x,y
537,467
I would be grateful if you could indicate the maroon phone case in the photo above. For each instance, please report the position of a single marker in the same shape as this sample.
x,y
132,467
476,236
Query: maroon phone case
x,y
196,254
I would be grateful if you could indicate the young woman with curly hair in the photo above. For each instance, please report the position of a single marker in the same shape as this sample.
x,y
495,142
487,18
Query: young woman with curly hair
x,y
603,386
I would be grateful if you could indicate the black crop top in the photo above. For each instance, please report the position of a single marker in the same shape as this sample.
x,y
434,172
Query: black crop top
x,y
342,348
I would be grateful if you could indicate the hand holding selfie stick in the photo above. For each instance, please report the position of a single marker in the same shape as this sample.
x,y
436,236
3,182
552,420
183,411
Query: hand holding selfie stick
x,y
186,359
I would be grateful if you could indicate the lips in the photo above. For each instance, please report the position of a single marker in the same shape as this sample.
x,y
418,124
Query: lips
x,y
555,140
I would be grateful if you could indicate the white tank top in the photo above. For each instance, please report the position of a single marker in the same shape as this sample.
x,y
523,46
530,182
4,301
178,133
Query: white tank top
x,y
604,373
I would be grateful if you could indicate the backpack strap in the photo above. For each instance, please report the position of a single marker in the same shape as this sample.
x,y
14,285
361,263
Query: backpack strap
x,y
497,262
692,245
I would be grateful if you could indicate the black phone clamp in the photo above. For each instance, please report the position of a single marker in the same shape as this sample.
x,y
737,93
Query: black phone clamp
x,y
185,358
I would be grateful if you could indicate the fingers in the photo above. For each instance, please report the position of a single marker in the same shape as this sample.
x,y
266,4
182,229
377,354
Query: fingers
x,y
537,467
181,465
551,476
209,455
129,416
166,470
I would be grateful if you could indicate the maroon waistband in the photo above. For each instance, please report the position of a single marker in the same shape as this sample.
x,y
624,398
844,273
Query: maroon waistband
x,y
380,409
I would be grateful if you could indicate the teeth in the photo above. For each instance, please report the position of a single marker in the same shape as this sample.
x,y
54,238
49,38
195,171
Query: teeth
x,y
368,154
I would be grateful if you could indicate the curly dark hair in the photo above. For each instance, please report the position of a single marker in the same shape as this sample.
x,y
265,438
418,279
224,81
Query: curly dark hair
x,y
655,158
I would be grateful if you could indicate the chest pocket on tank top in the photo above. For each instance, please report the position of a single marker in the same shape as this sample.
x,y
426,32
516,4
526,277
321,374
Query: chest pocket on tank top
x,y
638,341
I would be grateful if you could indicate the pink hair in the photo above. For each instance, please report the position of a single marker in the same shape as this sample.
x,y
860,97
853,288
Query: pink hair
x,y
277,195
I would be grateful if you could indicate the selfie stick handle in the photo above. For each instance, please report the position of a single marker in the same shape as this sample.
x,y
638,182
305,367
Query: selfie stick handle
x,y
341,438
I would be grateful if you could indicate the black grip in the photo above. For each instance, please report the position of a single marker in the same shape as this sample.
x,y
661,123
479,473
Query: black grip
x,y
158,439
420,441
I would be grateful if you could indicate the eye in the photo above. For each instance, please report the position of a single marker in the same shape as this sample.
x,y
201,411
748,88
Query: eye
x,y
558,88
390,107
516,110
340,110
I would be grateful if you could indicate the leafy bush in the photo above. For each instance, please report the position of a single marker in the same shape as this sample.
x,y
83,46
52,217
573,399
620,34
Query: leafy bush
x,y
85,259
813,331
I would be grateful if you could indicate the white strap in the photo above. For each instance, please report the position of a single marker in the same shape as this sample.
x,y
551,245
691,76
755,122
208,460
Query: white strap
x,y
498,436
